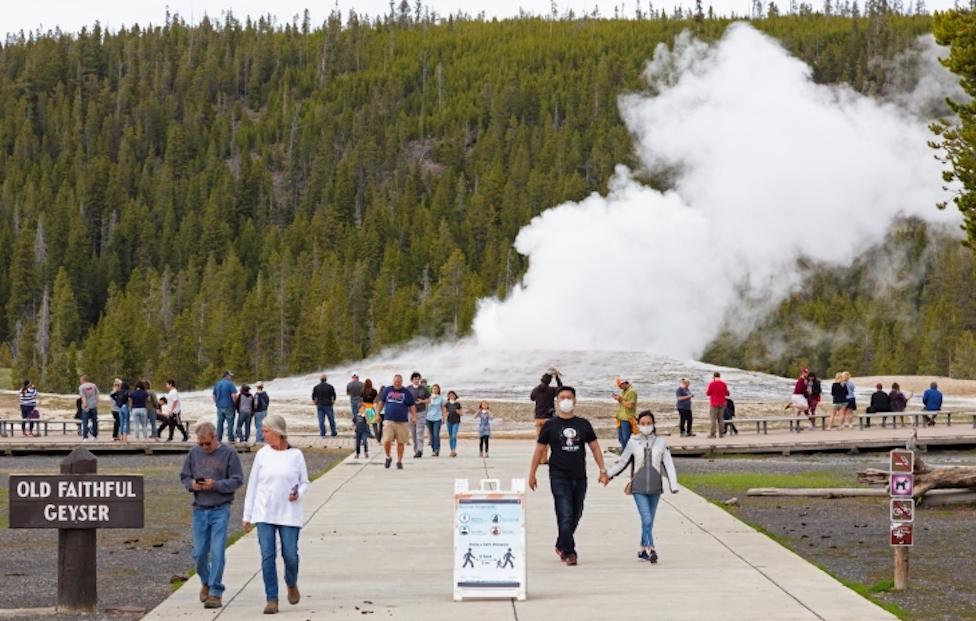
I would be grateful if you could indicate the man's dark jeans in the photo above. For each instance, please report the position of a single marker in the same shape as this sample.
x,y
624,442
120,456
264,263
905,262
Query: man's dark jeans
x,y
568,495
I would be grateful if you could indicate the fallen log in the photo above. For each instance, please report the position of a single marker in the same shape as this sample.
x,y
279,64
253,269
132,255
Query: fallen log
x,y
926,477
956,495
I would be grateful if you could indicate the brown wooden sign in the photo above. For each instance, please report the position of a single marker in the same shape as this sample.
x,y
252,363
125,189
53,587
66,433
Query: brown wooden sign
x,y
76,501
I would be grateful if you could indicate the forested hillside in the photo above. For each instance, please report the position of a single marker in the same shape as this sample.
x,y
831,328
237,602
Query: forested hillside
x,y
181,199
905,306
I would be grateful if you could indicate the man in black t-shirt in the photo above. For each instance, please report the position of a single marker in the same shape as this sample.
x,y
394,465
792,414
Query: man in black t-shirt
x,y
567,436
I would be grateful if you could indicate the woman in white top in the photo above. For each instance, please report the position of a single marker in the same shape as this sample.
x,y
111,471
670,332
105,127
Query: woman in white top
x,y
28,403
278,482
651,458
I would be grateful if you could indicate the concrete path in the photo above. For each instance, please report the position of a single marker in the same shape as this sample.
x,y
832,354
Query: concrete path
x,y
378,544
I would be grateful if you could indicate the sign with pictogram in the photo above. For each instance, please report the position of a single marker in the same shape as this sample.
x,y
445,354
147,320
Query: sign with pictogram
x,y
902,461
902,509
902,534
902,485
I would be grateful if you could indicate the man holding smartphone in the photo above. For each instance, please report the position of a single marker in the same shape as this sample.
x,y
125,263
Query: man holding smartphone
x,y
212,472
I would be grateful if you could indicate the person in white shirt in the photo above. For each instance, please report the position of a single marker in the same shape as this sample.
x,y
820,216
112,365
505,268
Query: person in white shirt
x,y
275,488
171,412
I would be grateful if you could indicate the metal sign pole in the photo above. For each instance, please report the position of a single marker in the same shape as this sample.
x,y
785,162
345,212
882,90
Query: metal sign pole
x,y
77,572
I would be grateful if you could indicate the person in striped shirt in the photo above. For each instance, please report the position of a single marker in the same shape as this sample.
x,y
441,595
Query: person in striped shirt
x,y
28,403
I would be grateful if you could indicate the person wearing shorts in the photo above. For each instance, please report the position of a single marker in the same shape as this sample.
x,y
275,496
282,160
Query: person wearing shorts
x,y
399,413
838,393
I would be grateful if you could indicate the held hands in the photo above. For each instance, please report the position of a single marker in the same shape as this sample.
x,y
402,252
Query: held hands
x,y
604,479
248,526
292,497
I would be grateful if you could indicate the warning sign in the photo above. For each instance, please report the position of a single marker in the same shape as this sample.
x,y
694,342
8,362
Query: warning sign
x,y
902,509
901,535
902,485
902,461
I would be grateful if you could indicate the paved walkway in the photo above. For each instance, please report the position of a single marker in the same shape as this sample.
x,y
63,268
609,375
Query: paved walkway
x,y
378,544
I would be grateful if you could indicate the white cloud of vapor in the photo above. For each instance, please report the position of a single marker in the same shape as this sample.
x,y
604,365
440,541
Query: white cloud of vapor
x,y
768,168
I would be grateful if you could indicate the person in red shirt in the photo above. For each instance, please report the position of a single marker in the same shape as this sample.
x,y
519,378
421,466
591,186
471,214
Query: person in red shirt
x,y
717,392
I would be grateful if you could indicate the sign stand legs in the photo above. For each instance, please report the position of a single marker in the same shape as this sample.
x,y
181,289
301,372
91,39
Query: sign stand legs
x,y
77,575
901,568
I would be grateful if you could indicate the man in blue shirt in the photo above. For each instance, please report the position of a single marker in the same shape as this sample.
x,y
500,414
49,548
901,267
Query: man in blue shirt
x,y
399,413
932,400
225,396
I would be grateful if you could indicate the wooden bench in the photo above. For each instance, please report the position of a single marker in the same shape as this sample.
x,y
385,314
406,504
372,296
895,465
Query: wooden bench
x,y
795,422
914,415
44,424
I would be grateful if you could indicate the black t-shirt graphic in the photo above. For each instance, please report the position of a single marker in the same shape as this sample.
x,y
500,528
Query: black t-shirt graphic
x,y
567,439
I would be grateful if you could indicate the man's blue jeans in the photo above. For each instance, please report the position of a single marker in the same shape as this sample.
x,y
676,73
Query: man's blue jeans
x,y
647,507
323,412
258,421
89,422
452,433
289,553
568,495
434,430
225,415
623,433
209,541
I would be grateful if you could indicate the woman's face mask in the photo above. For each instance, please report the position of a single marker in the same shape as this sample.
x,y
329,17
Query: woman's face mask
x,y
646,429
566,406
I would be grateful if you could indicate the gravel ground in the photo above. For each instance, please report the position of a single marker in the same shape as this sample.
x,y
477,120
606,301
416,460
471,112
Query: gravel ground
x,y
136,568
849,537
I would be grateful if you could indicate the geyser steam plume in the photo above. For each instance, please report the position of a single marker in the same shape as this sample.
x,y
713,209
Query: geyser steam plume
x,y
767,167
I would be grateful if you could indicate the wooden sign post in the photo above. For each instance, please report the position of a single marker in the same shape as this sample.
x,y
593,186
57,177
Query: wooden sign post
x,y
902,511
77,502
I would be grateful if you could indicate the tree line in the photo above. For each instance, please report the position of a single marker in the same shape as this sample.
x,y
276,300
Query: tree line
x,y
179,199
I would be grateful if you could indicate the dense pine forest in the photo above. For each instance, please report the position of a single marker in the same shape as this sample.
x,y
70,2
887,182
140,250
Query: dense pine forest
x,y
275,198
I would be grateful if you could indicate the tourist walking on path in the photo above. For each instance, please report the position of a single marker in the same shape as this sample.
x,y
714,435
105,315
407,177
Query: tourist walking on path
x,y
435,418
649,458
354,390
139,407
851,401
324,396
262,401
370,411
212,471
814,393
245,413
121,398
273,501
544,397
398,414
484,428
717,393
931,402
89,408
28,404
567,436
454,411
172,411
225,397
899,403
626,414
421,397
683,399
152,409
838,394
362,431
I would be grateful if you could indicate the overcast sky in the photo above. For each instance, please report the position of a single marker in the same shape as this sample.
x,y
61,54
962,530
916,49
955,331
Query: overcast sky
x,y
71,15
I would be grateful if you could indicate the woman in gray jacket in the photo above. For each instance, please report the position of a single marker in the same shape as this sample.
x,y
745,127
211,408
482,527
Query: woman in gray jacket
x,y
649,458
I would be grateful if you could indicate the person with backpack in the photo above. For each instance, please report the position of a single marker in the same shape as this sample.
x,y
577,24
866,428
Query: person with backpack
x,y
261,403
728,416
649,459
244,407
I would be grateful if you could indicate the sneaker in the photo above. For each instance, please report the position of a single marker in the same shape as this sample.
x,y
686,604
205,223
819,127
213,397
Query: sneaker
x,y
399,465
437,454
691,435
389,460
652,557
293,595
560,554
453,453
213,601
204,593
271,608
357,455
642,556
571,559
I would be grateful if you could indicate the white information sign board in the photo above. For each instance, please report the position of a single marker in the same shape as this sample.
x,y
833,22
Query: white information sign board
x,y
489,540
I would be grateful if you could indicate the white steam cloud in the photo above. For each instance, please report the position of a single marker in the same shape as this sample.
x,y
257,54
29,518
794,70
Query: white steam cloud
x,y
767,166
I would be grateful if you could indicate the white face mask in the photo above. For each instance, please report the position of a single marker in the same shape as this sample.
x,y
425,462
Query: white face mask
x,y
646,429
566,406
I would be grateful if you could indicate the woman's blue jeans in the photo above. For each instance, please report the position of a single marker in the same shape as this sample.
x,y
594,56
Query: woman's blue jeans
x,y
125,420
452,433
267,534
647,507
434,431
